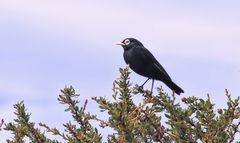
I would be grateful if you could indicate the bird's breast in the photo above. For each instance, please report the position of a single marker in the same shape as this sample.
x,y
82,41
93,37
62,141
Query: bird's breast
x,y
135,61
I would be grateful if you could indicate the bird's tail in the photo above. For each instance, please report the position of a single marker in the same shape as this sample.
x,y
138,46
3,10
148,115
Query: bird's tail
x,y
178,90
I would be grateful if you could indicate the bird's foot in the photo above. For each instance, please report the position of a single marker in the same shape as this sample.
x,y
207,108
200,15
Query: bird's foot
x,y
140,89
147,94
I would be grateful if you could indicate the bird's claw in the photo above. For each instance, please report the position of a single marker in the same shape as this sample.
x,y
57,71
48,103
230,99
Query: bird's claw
x,y
140,89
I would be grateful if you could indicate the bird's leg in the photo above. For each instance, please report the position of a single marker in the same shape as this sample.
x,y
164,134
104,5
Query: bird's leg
x,y
145,82
140,88
152,86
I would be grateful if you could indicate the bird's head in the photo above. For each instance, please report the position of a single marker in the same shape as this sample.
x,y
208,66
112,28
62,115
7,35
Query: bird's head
x,y
129,43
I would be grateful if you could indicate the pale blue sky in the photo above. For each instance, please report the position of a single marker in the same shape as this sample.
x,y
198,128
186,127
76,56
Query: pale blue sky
x,y
47,44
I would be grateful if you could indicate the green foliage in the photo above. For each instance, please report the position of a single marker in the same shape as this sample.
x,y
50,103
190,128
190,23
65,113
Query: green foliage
x,y
22,127
157,118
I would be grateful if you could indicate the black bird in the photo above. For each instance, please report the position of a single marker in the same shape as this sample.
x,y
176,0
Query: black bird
x,y
144,63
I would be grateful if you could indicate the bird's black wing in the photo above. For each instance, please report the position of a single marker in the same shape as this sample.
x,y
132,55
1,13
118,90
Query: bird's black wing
x,y
148,56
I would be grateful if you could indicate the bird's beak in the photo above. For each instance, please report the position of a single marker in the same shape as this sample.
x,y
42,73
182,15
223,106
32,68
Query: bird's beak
x,y
120,43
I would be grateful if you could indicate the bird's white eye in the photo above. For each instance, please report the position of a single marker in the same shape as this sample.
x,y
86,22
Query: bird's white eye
x,y
127,42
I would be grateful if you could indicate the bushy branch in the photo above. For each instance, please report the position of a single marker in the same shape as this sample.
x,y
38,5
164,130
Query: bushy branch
x,y
22,127
1,124
133,123
83,131
157,118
